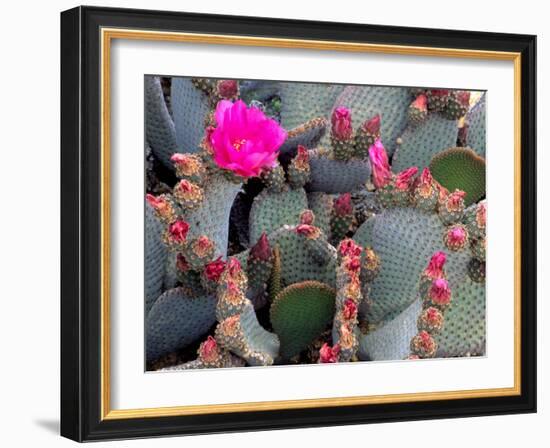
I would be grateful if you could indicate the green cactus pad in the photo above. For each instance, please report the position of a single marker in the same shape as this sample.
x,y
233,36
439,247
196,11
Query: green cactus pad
x,y
159,128
176,321
464,329
190,108
477,124
367,101
321,205
420,143
336,176
297,263
155,257
391,341
211,218
405,239
308,134
463,169
271,211
300,313
301,102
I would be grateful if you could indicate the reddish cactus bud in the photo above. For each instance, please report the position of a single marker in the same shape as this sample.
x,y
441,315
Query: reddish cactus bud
x,y
347,338
420,103
438,92
342,205
207,139
178,230
435,266
405,178
208,350
349,311
381,173
440,293
341,123
431,320
301,161
372,126
423,344
456,237
348,248
463,97
308,231
162,206
234,267
188,193
202,246
481,215
307,217
261,250
214,269
187,164
181,263
329,354
353,264
455,201
228,88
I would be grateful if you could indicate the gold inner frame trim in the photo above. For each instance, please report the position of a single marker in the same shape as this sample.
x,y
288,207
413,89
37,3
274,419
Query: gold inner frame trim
x,y
107,35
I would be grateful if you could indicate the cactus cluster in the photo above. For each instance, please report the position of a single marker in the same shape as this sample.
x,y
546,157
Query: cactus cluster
x,y
298,223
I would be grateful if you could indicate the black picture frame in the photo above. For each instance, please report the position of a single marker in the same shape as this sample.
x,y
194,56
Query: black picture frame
x,y
81,224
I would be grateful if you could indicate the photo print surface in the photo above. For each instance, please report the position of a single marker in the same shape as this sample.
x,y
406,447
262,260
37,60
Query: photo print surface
x,y
305,223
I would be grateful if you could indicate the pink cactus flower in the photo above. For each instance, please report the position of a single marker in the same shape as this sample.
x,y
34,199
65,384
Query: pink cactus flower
x,y
435,266
342,205
440,293
178,231
261,250
404,179
214,269
372,126
245,141
208,350
341,123
329,354
420,103
350,309
381,173
228,88
348,247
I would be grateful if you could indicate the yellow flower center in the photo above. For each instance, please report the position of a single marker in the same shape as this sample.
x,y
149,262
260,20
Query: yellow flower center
x,y
238,143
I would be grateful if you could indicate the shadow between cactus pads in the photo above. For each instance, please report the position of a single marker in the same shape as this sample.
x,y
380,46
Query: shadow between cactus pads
x,y
460,168
300,313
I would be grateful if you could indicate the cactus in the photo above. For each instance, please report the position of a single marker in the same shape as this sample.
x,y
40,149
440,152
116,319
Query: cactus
x,y
460,168
300,313
293,223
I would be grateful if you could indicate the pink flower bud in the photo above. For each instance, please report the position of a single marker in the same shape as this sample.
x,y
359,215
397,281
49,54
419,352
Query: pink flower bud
x,y
456,237
353,264
463,97
341,123
481,214
161,205
435,266
329,354
381,173
440,293
426,176
420,103
350,309
208,350
425,341
228,88
214,269
433,316
261,250
202,246
307,217
181,263
178,231
187,164
372,126
308,231
455,200
404,178
234,267
342,205
348,247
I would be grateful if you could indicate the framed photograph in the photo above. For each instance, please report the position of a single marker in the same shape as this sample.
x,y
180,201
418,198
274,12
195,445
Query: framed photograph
x,y
276,224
